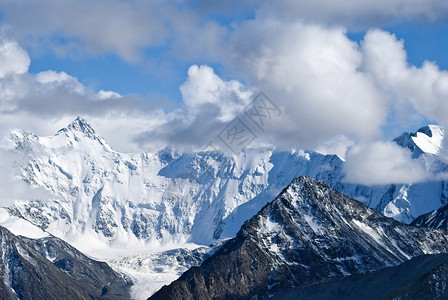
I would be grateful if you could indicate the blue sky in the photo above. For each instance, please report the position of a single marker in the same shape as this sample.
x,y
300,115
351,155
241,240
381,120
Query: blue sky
x,y
148,74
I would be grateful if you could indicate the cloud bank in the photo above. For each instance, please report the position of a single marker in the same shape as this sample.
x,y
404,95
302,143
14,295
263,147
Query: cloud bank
x,y
332,92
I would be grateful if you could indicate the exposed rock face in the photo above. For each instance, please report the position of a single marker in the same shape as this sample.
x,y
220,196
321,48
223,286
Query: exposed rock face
x,y
435,219
97,278
309,234
423,277
27,274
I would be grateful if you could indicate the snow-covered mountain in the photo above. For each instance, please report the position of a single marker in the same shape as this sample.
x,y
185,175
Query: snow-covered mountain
x,y
309,234
110,205
165,198
168,198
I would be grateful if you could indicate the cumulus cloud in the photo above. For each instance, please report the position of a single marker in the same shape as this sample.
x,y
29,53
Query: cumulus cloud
x,y
313,74
414,91
57,79
383,163
424,88
327,87
203,87
210,103
107,94
13,59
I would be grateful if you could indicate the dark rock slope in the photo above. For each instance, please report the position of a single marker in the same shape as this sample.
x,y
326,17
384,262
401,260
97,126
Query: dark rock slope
x,y
27,274
309,234
97,278
423,277
435,219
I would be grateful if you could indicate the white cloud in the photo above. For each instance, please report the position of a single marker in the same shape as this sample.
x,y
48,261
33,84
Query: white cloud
x,y
124,28
413,90
210,103
121,27
13,59
424,88
313,73
52,78
383,163
107,94
204,87
337,145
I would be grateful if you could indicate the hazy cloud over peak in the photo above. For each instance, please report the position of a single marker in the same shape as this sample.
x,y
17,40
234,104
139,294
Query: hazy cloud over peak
x,y
383,163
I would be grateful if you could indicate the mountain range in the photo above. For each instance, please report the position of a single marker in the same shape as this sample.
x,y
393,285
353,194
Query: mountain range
x,y
171,197
129,208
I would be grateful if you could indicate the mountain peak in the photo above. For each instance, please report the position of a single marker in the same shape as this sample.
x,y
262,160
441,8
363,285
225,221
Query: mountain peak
x,y
427,139
80,124
303,179
432,130
80,127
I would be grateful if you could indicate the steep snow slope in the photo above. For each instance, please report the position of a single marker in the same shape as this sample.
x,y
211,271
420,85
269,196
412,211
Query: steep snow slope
x,y
309,234
427,139
19,226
